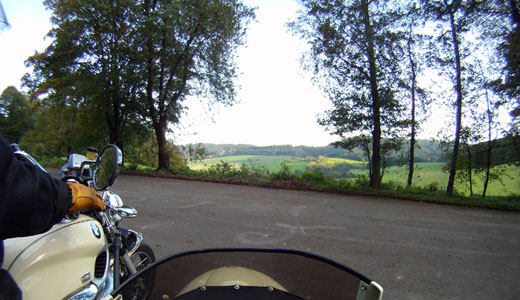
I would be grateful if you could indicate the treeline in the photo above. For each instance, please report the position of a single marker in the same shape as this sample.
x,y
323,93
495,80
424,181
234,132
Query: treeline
x,y
427,151
48,131
504,151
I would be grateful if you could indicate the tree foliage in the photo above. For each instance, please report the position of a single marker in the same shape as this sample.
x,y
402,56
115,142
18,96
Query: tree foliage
x,y
132,63
15,114
462,32
511,48
188,48
91,62
355,54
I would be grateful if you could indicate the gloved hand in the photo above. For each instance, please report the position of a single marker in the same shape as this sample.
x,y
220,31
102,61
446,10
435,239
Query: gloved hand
x,y
83,197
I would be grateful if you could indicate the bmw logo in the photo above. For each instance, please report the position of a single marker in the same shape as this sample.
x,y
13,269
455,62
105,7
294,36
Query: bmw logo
x,y
95,230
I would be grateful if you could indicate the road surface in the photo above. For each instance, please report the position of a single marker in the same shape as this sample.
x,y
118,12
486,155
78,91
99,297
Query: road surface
x,y
415,250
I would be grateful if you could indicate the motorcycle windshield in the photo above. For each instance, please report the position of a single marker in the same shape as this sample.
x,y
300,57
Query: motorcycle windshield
x,y
246,274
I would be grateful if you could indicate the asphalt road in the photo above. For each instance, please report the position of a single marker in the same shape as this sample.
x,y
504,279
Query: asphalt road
x,y
414,250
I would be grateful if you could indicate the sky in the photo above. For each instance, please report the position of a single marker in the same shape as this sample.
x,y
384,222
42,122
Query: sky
x,y
277,101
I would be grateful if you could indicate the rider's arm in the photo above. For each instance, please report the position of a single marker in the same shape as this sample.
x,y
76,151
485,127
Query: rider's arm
x,y
31,201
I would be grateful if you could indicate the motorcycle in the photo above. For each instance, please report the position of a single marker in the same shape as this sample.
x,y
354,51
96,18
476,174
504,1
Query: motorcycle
x,y
87,255
253,274
78,165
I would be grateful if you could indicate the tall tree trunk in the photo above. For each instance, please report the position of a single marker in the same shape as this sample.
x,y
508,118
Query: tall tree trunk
x,y
384,165
458,89
113,117
412,134
488,153
375,181
157,115
469,170
162,143
488,166
370,168
366,149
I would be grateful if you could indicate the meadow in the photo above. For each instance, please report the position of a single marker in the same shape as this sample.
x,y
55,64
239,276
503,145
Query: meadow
x,y
269,162
425,174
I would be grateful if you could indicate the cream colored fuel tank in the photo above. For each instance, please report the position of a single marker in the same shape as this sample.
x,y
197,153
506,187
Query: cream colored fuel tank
x,y
59,262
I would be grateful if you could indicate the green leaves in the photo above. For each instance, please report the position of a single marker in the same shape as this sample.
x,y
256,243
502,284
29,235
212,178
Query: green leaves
x,y
15,117
189,50
356,57
132,63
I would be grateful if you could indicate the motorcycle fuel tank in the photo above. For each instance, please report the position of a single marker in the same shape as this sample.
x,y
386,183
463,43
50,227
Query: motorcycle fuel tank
x,y
59,262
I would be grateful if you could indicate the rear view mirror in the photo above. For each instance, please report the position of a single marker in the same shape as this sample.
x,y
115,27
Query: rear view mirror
x,y
107,165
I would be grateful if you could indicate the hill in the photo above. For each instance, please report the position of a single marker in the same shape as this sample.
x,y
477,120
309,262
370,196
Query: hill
x,y
504,151
427,151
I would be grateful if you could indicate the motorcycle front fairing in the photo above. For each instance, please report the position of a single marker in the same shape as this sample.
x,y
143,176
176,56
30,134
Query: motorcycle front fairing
x,y
72,253
267,274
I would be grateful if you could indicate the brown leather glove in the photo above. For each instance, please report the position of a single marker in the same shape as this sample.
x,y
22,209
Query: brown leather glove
x,y
83,197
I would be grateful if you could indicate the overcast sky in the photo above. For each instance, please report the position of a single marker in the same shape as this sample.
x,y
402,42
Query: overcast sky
x,y
278,103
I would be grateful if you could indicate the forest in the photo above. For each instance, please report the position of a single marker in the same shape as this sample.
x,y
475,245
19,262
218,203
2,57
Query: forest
x,y
121,75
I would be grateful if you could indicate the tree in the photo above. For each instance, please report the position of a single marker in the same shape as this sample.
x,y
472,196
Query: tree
x,y
488,117
187,49
453,19
133,62
91,63
15,116
413,80
355,48
364,142
194,153
419,99
511,48
61,130
466,165
510,84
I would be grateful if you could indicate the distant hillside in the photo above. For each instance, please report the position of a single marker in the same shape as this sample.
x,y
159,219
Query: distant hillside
x,y
504,151
427,151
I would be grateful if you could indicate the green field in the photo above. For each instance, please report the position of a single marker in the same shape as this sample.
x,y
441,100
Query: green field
x,y
425,174
271,162
428,173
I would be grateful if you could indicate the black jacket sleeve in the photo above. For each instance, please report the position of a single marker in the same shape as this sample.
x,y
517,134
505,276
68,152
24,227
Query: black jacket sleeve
x,y
31,201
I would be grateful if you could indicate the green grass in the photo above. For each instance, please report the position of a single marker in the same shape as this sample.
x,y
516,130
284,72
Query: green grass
x,y
429,181
271,163
425,174
334,160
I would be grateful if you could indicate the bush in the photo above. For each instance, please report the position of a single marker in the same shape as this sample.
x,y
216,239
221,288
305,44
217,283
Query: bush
x,y
434,187
244,171
362,181
284,173
222,169
393,185
315,175
344,184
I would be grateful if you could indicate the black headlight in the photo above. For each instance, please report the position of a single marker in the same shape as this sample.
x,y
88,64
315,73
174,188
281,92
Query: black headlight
x,y
131,239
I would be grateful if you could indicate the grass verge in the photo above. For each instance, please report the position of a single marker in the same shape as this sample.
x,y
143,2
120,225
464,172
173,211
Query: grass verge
x,y
315,180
